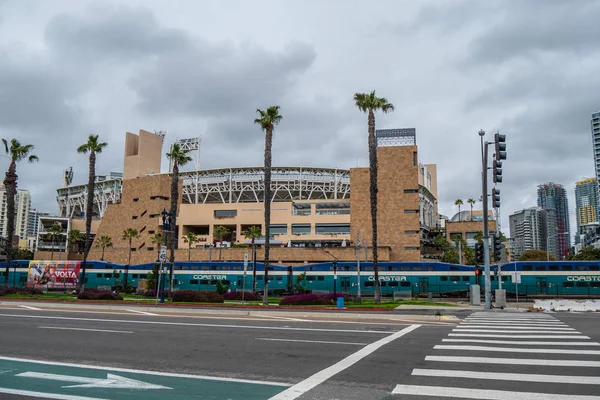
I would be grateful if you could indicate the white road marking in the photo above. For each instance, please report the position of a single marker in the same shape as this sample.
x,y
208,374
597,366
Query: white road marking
x,y
119,321
42,395
283,318
302,387
312,341
483,394
30,308
531,325
544,328
514,349
503,376
516,321
515,361
520,336
141,312
112,381
82,329
139,371
496,330
524,342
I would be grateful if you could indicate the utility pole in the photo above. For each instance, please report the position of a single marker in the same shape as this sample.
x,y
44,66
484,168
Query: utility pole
x,y
486,233
358,267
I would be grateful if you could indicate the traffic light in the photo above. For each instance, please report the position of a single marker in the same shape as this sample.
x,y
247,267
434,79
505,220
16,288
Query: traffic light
x,y
497,171
497,247
477,273
500,142
479,253
496,198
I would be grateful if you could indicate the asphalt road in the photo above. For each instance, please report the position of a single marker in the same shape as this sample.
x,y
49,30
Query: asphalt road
x,y
277,357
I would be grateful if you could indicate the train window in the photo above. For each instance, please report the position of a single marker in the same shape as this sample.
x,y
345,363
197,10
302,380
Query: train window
x,y
310,278
540,267
454,268
213,282
455,278
279,277
259,277
415,268
552,267
193,281
369,283
466,278
527,268
567,284
204,281
504,278
368,268
107,275
492,278
595,284
236,268
346,268
205,267
134,276
593,268
382,284
226,282
580,267
581,284
393,284
226,267
320,278
392,268
405,268
98,275
443,278
566,268
404,283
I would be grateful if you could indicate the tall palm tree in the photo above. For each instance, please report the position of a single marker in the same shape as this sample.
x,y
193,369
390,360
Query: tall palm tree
x,y
54,231
129,234
16,152
471,203
267,120
190,238
369,103
253,233
219,233
458,202
178,157
103,242
157,240
74,236
92,147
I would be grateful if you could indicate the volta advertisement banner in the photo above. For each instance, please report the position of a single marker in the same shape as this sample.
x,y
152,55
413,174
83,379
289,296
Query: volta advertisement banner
x,y
53,274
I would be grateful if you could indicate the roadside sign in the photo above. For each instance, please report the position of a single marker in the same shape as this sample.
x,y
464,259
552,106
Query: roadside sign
x,y
516,277
163,253
245,262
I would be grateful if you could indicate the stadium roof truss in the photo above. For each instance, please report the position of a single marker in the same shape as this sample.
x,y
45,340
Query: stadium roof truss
x,y
105,192
246,184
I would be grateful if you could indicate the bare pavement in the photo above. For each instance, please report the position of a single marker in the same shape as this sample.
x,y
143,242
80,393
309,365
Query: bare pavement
x,y
79,351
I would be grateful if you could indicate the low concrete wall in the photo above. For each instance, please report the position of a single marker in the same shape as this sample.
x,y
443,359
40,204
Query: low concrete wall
x,y
567,305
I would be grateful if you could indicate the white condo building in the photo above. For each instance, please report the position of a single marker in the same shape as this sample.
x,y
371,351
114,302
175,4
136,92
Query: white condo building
x,y
22,207
527,231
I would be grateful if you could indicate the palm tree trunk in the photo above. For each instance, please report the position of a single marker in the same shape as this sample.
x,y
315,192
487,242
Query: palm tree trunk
x,y
253,267
459,216
220,248
373,196
88,216
103,247
267,202
52,249
471,212
190,251
10,183
174,198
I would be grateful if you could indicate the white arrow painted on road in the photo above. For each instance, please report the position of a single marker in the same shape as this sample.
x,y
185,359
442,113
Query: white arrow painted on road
x,y
111,382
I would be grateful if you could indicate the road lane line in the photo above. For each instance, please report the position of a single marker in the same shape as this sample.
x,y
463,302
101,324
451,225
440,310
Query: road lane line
x,y
42,395
520,336
143,372
141,312
302,387
515,361
29,307
82,329
312,341
495,330
281,328
483,394
514,349
524,342
283,318
502,376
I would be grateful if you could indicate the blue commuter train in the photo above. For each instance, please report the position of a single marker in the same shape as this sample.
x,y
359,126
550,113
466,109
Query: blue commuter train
x,y
532,278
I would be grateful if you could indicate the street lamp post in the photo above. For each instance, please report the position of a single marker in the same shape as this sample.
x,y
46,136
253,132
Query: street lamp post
x,y
358,267
166,220
548,240
335,260
486,233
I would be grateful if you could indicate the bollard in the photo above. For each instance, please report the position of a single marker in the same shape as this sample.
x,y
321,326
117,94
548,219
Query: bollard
x,y
340,302
475,295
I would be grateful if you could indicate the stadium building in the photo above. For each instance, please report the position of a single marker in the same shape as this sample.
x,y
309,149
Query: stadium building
x,y
317,214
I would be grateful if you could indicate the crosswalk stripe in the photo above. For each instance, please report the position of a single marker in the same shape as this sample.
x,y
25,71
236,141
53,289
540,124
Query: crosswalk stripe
x,y
523,342
502,376
483,394
496,321
519,336
514,349
520,321
514,327
515,361
496,330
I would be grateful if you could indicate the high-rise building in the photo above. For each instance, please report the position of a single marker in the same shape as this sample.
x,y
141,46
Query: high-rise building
x,y
595,125
527,230
22,206
586,204
33,226
552,197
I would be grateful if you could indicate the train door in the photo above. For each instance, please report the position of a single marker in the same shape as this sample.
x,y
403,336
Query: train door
x,y
541,285
345,282
240,283
423,285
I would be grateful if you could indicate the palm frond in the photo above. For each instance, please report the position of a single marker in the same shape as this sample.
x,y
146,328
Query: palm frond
x,y
5,146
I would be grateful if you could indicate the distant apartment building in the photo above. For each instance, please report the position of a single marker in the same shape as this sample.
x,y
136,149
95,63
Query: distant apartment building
x,y
586,205
527,231
553,198
33,227
595,126
22,207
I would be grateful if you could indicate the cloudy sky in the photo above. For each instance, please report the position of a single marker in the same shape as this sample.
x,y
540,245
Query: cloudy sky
x,y
528,68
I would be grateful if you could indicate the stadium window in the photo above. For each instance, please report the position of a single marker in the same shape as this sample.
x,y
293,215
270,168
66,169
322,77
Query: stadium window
x,y
225,213
411,248
411,211
136,199
406,191
411,232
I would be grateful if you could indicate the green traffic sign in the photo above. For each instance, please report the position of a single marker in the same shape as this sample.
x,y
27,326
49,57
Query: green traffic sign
x,y
83,382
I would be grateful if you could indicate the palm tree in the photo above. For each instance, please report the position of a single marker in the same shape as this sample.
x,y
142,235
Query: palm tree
x,y
267,120
74,236
253,233
178,157
16,152
54,231
369,103
157,240
458,203
93,146
219,233
471,203
129,234
190,238
104,242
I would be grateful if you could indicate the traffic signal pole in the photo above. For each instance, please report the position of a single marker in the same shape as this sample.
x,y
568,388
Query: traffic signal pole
x,y
486,232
